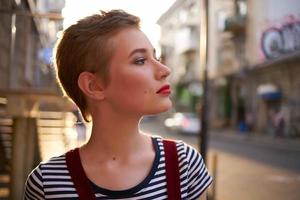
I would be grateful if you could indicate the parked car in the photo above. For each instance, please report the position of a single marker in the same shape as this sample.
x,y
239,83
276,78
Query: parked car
x,y
185,123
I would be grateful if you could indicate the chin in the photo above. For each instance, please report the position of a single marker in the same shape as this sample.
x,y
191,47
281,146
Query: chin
x,y
162,108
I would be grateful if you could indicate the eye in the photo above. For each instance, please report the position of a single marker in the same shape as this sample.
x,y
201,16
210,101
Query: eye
x,y
140,61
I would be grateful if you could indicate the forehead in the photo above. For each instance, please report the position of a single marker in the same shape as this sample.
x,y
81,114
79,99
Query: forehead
x,y
127,40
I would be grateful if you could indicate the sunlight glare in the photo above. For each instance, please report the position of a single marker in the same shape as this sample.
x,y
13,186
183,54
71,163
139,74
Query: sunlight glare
x,y
148,11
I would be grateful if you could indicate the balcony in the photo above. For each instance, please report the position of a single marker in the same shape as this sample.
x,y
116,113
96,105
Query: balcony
x,y
236,24
186,40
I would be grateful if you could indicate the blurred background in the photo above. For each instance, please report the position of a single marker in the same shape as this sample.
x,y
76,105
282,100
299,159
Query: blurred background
x,y
253,89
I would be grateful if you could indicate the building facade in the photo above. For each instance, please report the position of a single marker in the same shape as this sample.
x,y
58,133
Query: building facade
x,y
260,92
253,62
28,31
180,49
27,87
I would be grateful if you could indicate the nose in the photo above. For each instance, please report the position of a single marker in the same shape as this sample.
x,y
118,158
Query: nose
x,y
162,71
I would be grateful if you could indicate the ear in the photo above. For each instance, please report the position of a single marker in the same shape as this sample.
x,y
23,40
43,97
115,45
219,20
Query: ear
x,y
91,85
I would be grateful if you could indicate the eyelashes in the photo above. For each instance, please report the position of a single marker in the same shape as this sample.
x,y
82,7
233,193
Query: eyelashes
x,y
142,60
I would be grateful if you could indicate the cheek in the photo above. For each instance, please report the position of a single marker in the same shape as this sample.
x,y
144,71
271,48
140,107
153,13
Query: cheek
x,y
139,94
137,85
148,91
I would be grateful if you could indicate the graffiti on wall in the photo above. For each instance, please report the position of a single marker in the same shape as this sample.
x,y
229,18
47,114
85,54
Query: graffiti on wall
x,y
283,39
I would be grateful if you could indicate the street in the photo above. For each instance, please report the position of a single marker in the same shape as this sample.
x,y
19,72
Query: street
x,y
246,170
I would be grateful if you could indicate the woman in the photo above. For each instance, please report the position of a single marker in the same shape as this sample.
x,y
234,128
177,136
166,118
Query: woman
x,y
107,66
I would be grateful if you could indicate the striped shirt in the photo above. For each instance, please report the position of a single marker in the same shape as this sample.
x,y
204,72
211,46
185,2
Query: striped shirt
x,y
51,179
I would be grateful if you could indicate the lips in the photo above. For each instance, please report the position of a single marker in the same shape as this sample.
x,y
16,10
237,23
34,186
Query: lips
x,y
166,89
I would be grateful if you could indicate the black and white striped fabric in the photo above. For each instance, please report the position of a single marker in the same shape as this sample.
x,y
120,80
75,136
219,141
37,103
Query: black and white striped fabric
x,y
51,180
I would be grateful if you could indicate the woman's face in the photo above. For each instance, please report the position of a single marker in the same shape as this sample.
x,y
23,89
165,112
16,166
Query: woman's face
x,y
138,82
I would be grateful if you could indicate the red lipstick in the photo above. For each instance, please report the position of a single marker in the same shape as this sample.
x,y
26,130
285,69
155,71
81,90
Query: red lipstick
x,y
166,89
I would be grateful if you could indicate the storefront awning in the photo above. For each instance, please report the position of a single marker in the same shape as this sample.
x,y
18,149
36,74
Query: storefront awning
x,y
269,92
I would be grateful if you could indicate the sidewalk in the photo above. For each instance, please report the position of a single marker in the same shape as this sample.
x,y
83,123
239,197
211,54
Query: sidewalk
x,y
242,177
237,176
282,143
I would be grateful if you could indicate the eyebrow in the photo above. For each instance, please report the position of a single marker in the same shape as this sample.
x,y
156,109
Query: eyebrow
x,y
140,50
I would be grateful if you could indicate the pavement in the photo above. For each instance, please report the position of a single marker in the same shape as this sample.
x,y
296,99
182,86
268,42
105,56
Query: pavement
x,y
242,177
238,177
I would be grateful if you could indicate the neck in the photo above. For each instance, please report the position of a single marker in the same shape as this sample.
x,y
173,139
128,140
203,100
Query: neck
x,y
114,135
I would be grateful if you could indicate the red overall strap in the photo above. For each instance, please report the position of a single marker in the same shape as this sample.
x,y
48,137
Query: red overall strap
x,y
172,170
78,175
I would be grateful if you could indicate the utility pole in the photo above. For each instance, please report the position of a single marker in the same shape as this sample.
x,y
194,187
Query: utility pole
x,y
203,136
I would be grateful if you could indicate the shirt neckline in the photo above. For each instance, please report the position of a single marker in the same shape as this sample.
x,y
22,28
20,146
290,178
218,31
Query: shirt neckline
x,y
129,192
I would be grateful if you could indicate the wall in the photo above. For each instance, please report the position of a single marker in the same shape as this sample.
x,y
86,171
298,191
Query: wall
x,y
5,21
273,27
